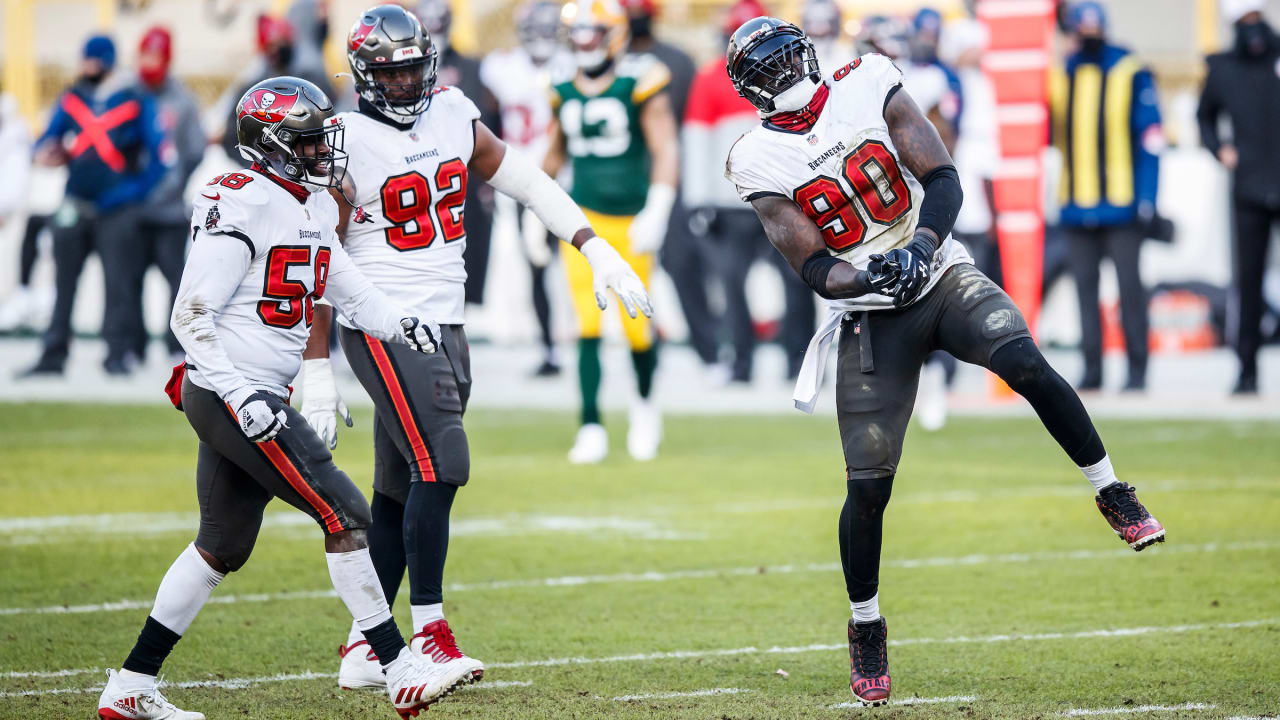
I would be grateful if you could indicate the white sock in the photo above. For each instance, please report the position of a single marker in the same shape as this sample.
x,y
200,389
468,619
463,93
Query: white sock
x,y
1100,474
357,584
424,615
184,590
867,610
130,680
355,635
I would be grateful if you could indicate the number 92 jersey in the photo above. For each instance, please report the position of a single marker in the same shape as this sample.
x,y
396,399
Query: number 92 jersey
x,y
844,173
412,184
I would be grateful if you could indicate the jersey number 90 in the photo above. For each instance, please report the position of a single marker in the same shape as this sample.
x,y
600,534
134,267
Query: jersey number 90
x,y
406,203
873,175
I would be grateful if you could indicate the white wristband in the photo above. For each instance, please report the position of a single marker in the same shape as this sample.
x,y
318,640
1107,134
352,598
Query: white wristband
x,y
660,199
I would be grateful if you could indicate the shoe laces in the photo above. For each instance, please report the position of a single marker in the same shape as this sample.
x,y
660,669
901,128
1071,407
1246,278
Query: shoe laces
x,y
1124,501
155,698
442,635
869,656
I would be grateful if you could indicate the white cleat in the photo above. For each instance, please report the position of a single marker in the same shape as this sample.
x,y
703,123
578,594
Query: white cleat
x,y
119,702
645,432
436,643
931,399
415,684
591,446
360,667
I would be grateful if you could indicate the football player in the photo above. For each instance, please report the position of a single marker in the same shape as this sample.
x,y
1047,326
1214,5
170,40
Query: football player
x,y
416,147
855,188
614,125
263,253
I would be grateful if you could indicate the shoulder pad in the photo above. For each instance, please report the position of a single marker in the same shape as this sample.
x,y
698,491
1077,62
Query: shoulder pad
x,y
229,203
635,65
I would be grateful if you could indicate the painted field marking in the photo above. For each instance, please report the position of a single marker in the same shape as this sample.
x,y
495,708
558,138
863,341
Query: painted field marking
x,y
241,683
1082,712
914,701
691,693
656,576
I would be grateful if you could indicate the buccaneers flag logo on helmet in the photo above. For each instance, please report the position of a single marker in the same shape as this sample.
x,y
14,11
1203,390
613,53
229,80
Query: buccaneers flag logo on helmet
x,y
268,105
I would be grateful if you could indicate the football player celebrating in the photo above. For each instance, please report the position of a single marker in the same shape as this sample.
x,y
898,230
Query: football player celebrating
x,y
855,189
263,252
615,126
416,146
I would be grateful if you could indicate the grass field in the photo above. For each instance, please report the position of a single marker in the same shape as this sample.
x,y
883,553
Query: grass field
x,y
676,588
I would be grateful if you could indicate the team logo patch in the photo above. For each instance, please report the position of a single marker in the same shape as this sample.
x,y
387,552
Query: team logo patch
x,y
360,31
361,216
813,139
268,105
211,220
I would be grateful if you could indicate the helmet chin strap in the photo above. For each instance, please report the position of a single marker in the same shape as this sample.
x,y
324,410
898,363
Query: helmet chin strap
x,y
794,97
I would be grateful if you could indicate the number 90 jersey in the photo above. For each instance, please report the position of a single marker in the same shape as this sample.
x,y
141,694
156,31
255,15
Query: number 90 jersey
x,y
412,184
844,173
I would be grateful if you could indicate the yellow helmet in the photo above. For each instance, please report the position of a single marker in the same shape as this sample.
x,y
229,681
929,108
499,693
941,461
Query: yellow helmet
x,y
597,33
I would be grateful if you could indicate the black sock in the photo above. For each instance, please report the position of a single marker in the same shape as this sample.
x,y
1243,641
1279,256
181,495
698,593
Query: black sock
x,y
645,363
426,539
589,375
385,640
1024,369
155,642
861,522
386,544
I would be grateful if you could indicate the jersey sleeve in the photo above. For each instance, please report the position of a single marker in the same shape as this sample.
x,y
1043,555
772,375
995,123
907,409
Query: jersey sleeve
x,y
220,209
460,106
744,170
651,76
878,74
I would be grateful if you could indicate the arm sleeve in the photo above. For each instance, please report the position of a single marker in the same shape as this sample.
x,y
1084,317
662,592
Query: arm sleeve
x,y
1149,137
367,307
1208,112
58,124
214,270
519,178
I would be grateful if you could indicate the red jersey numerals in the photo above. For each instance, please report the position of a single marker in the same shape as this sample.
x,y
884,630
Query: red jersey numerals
x,y
877,185
406,202
234,180
289,302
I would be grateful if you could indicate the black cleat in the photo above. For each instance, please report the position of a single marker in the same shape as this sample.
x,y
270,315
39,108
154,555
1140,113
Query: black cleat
x,y
1118,503
869,662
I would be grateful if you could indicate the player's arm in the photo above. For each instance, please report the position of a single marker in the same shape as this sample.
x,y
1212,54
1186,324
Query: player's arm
x,y
321,402
658,125
322,322
800,241
921,149
371,311
511,172
214,270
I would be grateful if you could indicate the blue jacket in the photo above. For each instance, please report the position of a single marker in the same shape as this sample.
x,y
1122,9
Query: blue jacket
x,y
112,142
1106,122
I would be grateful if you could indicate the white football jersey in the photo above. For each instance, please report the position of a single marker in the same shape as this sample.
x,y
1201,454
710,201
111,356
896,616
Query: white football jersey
x,y
844,173
412,185
265,324
523,91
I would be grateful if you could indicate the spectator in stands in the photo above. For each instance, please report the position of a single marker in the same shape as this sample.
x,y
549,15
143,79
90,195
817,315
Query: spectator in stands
x,y
15,163
464,72
107,138
162,230
1242,86
715,118
1108,190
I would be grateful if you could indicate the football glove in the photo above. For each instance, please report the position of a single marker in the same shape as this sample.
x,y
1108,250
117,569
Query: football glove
x,y
913,263
881,275
321,401
421,336
649,227
610,272
261,414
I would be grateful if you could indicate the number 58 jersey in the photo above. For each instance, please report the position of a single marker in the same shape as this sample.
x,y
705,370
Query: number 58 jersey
x,y
844,173
411,181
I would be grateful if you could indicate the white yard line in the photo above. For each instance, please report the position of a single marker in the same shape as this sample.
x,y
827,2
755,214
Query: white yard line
x,y
914,701
241,683
691,693
48,674
735,652
1081,712
657,576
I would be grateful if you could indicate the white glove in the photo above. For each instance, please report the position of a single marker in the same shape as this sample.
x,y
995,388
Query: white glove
x,y
321,401
534,234
421,336
610,272
649,226
260,413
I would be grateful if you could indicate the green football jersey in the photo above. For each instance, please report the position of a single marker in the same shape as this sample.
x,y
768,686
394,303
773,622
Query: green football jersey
x,y
603,138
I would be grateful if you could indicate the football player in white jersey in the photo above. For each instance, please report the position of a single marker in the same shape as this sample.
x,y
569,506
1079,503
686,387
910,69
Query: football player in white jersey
x,y
416,146
856,190
520,80
264,251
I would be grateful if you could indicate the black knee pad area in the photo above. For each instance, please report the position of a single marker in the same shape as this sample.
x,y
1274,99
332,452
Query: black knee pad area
x,y
1020,364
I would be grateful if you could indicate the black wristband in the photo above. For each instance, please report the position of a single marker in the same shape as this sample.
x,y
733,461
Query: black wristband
x,y
816,269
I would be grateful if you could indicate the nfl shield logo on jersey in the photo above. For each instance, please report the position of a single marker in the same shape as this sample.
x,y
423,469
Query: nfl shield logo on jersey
x,y
211,220
813,139
413,136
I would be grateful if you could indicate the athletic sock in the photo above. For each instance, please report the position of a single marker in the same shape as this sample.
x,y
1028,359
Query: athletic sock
x,y
1100,474
357,584
589,374
354,635
386,543
426,541
183,591
645,363
866,610
424,615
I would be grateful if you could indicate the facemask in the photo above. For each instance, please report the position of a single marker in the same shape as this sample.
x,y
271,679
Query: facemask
x,y
796,96
641,27
93,78
1253,39
153,75
1092,45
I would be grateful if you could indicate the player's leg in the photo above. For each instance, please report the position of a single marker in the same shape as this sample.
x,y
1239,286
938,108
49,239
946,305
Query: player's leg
x,y
644,426
592,442
981,325
878,368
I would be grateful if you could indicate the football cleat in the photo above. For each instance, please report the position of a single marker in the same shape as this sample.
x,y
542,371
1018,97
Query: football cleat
x,y
436,642
415,684
1118,503
645,432
591,446
118,702
869,661
360,667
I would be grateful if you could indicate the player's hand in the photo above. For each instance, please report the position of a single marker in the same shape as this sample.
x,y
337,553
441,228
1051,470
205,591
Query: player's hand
x,y
321,401
881,274
649,227
913,274
261,414
534,235
610,272
421,336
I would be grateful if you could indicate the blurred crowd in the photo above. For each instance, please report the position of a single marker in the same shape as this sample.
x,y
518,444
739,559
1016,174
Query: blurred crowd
x,y
131,138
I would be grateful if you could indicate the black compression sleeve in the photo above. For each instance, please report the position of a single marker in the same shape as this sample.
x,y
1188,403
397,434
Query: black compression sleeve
x,y
942,199
818,266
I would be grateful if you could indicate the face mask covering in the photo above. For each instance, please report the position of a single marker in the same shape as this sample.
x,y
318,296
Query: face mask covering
x,y
641,26
796,96
1253,39
1091,46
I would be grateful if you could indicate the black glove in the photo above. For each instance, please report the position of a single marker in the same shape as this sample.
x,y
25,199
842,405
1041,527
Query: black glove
x,y
913,263
880,274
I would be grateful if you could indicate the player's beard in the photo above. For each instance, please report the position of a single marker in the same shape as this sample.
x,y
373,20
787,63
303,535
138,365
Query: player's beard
x,y
796,96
